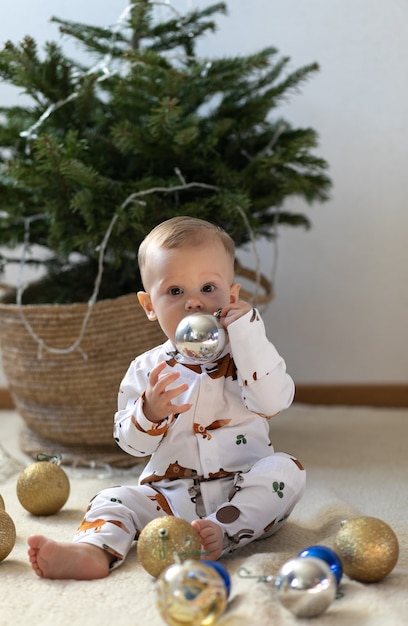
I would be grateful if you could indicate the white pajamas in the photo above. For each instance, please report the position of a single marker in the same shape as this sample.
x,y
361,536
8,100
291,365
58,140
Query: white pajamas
x,y
214,461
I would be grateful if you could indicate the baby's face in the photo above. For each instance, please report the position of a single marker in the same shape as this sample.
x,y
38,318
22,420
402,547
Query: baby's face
x,y
191,279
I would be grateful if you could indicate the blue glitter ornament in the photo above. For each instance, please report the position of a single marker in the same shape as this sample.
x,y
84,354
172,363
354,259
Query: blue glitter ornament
x,y
327,555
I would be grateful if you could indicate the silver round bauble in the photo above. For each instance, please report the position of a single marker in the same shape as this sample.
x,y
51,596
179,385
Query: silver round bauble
x,y
200,338
306,586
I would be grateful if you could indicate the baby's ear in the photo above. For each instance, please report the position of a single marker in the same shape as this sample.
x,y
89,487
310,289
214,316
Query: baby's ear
x,y
234,292
146,303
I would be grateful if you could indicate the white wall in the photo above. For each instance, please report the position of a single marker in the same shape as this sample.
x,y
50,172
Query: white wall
x,y
341,292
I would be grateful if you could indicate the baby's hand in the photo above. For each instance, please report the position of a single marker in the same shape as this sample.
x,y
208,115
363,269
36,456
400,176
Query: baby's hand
x,y
234,311
159,395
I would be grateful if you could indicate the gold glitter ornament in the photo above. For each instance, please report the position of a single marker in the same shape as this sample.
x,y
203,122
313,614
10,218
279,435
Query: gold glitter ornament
x,y
2,505
367,547
43,488
167,540
7,534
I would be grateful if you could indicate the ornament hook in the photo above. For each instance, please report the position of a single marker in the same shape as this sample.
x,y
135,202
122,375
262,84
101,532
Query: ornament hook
x,y
51,458
243,572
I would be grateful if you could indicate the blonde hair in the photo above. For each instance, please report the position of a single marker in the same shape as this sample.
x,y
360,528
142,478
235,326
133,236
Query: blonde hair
x,y
182,230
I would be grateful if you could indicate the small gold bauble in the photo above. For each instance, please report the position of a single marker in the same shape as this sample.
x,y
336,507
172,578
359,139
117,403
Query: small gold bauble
x,y
2,505
166,540
367,547
43,488
7,534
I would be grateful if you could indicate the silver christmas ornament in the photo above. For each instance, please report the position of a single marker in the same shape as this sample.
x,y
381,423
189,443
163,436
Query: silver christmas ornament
x,y
200,337
306,586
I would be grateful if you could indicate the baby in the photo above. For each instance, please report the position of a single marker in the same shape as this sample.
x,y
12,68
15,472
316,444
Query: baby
x,y
204,426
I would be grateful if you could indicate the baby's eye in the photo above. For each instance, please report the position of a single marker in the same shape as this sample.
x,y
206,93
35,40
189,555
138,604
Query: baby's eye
x,y
208,288
175,291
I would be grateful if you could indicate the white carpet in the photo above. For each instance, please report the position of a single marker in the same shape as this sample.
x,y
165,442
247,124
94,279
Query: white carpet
x,y
357,464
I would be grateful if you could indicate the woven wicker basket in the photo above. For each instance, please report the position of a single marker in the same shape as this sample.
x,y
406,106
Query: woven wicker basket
x,y
67,401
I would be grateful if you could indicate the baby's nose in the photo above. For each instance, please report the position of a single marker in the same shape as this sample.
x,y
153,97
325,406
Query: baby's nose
x,y
194,304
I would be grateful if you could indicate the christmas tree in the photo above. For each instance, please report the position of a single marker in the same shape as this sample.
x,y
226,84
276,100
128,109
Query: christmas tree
x,y
146,130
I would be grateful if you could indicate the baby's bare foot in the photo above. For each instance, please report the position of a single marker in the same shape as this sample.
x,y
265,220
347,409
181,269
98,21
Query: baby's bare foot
x,y
80,561
211,538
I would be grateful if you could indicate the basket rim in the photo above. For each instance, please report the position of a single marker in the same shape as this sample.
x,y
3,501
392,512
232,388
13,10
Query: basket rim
x,y
11,306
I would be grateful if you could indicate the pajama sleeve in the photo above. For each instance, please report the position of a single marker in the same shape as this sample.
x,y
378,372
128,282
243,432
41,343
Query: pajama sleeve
x,y
266,387
133,432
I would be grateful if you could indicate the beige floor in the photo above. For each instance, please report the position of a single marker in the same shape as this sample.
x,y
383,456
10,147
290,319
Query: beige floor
x,y
357,465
